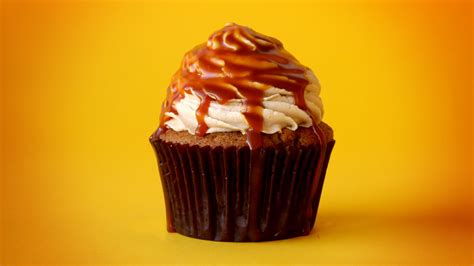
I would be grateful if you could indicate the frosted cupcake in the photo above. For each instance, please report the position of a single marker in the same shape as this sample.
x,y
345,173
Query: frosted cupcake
x,y
241,146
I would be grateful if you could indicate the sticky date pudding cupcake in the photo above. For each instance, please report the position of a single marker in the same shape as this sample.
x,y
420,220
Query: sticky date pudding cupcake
x,y
242,150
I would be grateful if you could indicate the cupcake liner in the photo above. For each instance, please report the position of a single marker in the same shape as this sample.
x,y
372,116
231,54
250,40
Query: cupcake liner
x,y
236,194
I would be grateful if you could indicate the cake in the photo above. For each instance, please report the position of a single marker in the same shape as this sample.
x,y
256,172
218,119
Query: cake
x,y
242,149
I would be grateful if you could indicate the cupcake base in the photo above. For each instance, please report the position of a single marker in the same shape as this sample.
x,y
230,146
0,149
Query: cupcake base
x,y
236,194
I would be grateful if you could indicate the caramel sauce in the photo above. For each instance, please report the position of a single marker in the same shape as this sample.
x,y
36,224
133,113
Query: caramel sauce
x,y
201,112
236,63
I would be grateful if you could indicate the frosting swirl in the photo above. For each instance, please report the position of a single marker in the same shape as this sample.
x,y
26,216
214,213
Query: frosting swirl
x,y
246,80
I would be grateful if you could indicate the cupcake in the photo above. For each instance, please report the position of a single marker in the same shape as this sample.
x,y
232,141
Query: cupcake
x,y
242,150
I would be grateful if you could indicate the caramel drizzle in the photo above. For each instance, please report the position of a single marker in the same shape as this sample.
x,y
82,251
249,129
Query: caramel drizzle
x,y
236,63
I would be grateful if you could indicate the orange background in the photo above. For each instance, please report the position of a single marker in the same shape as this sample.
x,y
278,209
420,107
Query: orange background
x,y
82,85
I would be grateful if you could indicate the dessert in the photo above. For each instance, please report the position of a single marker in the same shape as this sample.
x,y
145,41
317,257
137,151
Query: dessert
x,y
241,147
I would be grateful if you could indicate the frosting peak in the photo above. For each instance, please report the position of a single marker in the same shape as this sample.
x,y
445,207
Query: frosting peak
x,y
234,37
241,80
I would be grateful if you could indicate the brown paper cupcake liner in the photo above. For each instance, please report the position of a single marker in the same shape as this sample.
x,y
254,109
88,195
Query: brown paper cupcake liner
x,y
235,194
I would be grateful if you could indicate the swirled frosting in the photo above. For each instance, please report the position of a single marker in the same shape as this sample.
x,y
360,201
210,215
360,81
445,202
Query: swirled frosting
x,y
241,80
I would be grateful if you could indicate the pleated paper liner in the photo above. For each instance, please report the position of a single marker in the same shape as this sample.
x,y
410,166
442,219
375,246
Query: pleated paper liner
x,y
235,194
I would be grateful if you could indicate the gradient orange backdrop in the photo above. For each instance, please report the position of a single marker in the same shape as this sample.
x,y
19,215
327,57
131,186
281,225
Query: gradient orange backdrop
x,y
82,85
